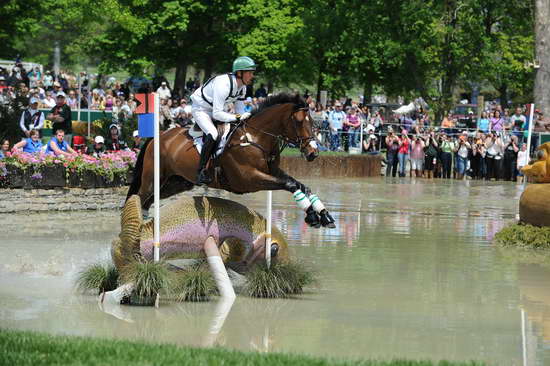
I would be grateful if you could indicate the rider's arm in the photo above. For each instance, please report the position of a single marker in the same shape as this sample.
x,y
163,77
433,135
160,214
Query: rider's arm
x,y
220,92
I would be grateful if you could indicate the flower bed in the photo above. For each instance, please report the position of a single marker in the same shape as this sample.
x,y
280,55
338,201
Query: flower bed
x,y
23,170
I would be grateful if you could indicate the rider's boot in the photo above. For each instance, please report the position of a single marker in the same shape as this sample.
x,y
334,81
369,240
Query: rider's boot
x,y
206,151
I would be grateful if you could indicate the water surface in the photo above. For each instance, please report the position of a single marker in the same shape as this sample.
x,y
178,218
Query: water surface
x,y
409,272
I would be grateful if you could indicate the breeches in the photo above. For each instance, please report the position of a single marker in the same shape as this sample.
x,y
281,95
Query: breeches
x,y
204,121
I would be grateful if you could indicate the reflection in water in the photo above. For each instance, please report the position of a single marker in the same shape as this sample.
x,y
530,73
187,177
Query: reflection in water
x,y
409,272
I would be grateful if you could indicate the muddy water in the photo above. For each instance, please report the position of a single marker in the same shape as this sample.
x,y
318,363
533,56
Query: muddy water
x,y
410,272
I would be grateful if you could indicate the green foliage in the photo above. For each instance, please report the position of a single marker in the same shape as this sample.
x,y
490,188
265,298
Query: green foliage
x,y
193,284
279,281
149,278
528,236
25,348
100,277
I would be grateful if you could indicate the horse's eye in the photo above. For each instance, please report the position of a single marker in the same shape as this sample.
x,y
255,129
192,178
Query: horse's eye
x,y
274,250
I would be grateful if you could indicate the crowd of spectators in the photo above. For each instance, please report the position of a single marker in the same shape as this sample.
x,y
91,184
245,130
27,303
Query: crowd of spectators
x,y
490,147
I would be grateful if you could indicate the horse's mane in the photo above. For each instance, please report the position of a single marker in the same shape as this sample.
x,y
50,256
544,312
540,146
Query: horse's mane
x,y
281,98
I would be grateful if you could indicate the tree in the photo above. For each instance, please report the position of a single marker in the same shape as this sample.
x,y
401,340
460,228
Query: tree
x,y
542,76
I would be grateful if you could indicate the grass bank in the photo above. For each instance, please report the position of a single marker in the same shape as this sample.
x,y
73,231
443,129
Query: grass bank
x,y
30,348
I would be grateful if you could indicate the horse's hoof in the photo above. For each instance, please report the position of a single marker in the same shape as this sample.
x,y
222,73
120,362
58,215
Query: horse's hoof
x,y
327,220
312,218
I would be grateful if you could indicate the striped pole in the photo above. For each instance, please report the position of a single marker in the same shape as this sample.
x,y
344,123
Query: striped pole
x,y
268,229
156,239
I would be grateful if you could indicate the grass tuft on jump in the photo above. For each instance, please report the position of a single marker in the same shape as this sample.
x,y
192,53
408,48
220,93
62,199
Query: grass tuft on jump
x,y
193,284
99,277
524,236
280,280
24,348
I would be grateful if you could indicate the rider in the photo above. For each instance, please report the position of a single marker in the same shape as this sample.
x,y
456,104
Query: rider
x,y
209,102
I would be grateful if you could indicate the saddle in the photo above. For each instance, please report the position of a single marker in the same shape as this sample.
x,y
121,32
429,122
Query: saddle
x,y
225,132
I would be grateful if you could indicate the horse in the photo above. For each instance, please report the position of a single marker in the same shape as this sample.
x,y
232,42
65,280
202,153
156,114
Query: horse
x,y
249,162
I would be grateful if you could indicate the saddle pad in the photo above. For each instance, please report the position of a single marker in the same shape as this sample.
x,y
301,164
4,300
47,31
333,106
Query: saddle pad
x,y
197,139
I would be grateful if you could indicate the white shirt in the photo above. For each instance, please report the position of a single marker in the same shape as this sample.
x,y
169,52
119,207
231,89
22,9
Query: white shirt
x,y
37,125
523,159
216,92
164,92
49,102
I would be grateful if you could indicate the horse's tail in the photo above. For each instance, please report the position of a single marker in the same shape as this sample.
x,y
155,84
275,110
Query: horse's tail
x,y
136,182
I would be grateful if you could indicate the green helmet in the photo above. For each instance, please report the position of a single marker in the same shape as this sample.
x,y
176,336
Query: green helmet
x,y
243,63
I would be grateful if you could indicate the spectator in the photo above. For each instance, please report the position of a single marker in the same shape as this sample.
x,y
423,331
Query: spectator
x,y
31,144
462,150
417,156
49,100
471,121
48,80
447,147
370,142
61,117
511,150
58,146
447,123
121,111
517,121
165,117
403,152
114,143
477,160
4,148
163,91
261,92
392,143
497,122
353,126
493,156
97,101
431,152
34,76
336,120
109,101
72,100
483,122
522,160
31,118
138,142
98,147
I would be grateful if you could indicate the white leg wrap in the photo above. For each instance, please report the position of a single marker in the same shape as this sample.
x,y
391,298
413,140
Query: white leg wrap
x,y
301,200
115,296
316,202
220,275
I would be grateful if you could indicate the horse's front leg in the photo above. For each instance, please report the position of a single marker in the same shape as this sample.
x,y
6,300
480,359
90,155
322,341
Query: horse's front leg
x,y
316,213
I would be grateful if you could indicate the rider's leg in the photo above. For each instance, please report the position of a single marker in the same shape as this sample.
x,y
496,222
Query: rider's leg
x,y
209,140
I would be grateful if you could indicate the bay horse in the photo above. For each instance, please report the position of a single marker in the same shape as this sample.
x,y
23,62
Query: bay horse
x,y
248,163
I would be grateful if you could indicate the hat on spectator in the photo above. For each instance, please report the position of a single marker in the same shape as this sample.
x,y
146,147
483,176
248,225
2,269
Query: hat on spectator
x,y
249,99
470,111
61,95
163,83
135,133
33,100
2,78
99,140
337,104
56,84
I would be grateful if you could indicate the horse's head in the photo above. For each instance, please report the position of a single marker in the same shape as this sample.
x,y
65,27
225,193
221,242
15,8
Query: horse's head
x,y
300,132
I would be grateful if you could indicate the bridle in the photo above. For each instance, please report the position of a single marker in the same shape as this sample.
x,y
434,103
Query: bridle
x,y
284,141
